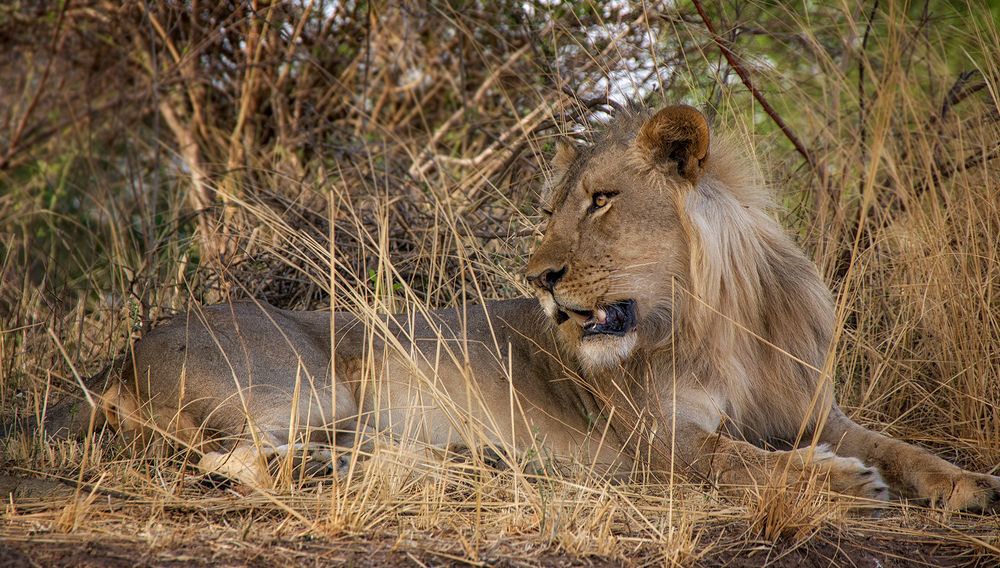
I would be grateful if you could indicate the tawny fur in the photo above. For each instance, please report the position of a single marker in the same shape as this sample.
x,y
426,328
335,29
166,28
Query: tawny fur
x,y
733,328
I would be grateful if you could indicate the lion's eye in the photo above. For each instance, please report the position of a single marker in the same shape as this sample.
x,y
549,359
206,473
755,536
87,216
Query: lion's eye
x,y
601,199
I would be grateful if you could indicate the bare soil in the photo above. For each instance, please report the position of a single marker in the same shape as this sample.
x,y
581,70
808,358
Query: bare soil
x,y
20,546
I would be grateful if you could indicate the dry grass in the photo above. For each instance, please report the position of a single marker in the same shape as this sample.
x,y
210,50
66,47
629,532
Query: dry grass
x,y
386,158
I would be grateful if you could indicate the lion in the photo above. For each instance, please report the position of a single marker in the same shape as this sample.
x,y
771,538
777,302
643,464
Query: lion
x,y
677,329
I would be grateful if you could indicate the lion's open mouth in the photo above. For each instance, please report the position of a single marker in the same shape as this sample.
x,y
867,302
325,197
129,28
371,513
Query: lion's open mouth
x,y
613,319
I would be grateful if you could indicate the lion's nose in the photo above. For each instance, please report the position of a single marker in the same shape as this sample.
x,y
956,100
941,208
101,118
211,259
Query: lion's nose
x,y
547,278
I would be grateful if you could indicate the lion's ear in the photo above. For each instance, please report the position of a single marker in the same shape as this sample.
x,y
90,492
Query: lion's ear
x,y
565,154
676,134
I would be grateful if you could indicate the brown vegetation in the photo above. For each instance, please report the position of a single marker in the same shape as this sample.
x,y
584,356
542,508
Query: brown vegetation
x,y
376,157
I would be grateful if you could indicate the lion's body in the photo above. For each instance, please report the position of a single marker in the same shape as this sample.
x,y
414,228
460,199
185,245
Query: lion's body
x,y
680,329
247,372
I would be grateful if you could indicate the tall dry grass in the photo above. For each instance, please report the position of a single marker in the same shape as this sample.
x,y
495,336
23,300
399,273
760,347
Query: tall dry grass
x,y
383,158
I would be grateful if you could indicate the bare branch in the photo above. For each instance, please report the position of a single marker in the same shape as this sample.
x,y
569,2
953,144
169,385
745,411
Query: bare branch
x,y
734,62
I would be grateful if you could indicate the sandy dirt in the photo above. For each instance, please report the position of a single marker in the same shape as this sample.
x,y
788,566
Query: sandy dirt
x,y
83,549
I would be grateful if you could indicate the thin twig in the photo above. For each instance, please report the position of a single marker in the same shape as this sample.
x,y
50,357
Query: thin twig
x,y
6,158
970,162
862,103
862,110
590,103
959,92
734,62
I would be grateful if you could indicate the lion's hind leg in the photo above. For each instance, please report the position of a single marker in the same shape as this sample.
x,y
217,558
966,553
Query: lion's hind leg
x,y
260,465
244,463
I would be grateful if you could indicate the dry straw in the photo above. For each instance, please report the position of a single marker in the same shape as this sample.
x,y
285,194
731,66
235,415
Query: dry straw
x,y
385,158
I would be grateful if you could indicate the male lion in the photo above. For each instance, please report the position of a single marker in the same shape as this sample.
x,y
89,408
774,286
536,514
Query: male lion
x,y
680,329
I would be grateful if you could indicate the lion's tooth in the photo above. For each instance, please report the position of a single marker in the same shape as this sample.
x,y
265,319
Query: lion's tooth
x,y
601,316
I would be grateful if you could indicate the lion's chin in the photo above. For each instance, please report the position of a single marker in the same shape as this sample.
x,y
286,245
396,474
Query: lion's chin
x,y
602,351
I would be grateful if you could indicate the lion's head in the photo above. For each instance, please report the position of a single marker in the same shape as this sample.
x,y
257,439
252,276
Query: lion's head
x,y
615,240
651,229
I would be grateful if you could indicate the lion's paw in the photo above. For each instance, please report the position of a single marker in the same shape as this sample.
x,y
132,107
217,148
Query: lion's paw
x,y
849,476
318,461
963,491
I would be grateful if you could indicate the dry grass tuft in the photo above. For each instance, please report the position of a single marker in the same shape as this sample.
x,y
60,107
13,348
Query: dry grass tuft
x,y
791,513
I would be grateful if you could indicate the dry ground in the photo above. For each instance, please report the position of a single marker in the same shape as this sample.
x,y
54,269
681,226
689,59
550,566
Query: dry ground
x,y
212,527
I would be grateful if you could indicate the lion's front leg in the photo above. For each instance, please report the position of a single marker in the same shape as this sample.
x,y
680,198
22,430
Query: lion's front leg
x,y
913,472
735,463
